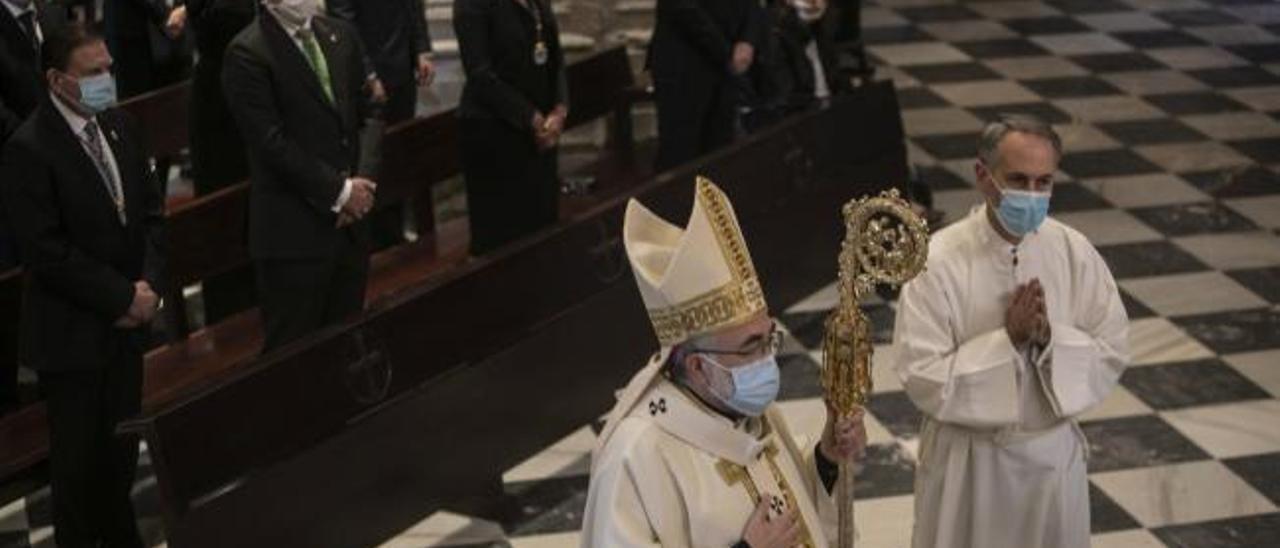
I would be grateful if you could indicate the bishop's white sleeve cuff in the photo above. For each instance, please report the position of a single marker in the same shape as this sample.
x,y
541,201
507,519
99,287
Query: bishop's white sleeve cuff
x,y
342,196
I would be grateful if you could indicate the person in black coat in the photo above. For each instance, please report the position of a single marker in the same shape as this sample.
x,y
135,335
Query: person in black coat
x,y
87,211
797,62
23,26
513,110
146,44
399,48
699,55
295,82
218,157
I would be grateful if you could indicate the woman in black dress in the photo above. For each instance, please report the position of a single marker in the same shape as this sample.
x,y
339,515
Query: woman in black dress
x,y
513,110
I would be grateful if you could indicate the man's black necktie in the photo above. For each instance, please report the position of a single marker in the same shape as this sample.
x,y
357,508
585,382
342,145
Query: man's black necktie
x,y
28,22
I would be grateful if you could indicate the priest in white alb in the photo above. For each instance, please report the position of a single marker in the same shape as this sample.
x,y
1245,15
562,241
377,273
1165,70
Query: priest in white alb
x,y
695,454
1013,331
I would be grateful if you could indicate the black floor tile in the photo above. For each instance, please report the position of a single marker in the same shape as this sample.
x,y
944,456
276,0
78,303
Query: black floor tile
x,y
1258,53
1260,471
952,72
1042,110
1134,308
1149,39
1192,219
552,505
937,13
896,412
805,327
1105,515
1151,132
1071,86
1244,532
1263,151
1142,259
1235,331
1265,282
1196,102
887,471
872,36
1081,7
1188,384
1075,197
1105,163
1137,442
919,97
949,147
1129,61
1235,77
800,377
1196,17
1236,183
1001,48
940,178
1046,25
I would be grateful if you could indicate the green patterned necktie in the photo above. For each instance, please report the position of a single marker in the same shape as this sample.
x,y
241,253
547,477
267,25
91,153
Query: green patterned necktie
x,y
317,61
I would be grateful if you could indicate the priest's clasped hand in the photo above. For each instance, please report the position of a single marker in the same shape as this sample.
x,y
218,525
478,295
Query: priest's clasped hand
x,y
767,531
843,438
1027,319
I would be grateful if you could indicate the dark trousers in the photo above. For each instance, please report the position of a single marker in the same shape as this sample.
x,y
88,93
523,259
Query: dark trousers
x,y
693,119
386,223
91,469
300,296
512,188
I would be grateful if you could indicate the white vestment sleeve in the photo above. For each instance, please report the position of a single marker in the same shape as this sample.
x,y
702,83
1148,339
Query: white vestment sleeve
x,y
971,383
1085,358
628,492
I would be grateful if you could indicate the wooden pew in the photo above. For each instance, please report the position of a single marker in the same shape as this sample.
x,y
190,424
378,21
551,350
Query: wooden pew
x,y
206,237
361,429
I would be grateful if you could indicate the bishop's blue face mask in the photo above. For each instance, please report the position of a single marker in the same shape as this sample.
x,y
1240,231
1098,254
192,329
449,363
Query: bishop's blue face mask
x,y
755,385
98,93
1021,211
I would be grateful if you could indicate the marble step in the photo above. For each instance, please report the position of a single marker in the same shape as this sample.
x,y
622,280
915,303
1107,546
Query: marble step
x,y
574,44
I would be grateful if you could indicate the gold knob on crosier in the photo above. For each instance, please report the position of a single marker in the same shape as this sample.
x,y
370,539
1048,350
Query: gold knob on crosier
x,y
885,243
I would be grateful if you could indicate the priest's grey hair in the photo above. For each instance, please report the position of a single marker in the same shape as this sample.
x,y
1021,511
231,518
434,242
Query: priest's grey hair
x,y
1004,124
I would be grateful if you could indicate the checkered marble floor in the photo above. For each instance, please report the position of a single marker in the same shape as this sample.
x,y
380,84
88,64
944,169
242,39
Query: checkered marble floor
x,y
1170,110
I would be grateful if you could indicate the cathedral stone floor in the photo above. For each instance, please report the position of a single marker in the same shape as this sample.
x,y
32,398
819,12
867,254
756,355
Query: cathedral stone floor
x,y
1170,110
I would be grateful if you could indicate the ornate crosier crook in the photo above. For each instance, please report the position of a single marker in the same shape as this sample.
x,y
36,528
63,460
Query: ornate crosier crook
x,y
885,243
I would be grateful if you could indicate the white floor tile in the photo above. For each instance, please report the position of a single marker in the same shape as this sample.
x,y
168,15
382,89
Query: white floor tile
x,y
1233,429
1182,493
1173,295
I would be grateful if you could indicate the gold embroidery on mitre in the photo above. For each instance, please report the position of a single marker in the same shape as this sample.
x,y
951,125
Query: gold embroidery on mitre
x,y
726,305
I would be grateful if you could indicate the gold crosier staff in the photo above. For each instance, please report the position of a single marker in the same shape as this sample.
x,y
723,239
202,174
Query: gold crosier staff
x,y
885,243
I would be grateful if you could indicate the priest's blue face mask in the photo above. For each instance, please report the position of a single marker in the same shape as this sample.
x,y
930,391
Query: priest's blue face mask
x,y
1020,211
753,385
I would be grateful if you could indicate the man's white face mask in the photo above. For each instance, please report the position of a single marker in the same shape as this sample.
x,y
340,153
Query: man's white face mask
x,y
294,12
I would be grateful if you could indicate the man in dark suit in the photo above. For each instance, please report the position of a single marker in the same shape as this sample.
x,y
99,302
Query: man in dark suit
x,y
399,60
86,209
144,36
23,26
698,55
398,45
295,83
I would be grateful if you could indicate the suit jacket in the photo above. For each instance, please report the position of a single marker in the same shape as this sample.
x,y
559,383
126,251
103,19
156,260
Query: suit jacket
x,y
693,39
496,39
22,84
302,147
394,33
133,18
80,262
